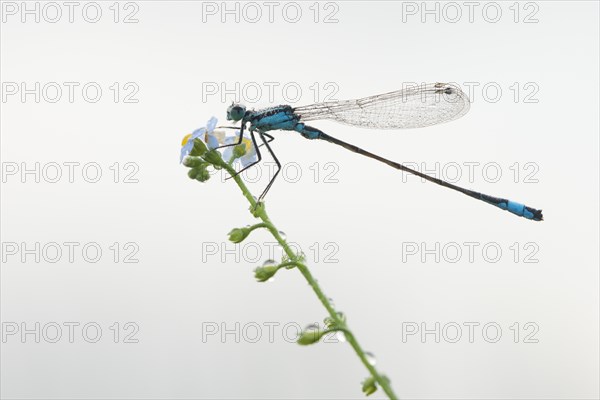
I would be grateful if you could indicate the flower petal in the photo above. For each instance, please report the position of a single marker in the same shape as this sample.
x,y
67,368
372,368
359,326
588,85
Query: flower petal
x,y
243,162
228,153
211,124
219,134
199,133
212,142
185,150
247,161
252,152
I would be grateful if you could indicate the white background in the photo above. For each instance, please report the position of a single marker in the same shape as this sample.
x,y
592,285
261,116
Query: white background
x,y
364,219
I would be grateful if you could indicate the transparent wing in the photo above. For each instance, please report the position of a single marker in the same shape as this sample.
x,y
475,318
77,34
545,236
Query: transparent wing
x,y
415,107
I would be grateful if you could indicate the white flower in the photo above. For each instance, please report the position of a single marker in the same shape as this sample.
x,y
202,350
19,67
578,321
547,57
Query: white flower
x,y
206,134
248,158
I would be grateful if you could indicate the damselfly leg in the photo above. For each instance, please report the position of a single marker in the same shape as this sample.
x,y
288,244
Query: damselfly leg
x,y
271,138
266,143
240,137
258,157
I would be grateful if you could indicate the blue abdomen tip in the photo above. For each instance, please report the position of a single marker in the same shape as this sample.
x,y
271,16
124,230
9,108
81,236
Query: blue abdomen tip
x,y
523,211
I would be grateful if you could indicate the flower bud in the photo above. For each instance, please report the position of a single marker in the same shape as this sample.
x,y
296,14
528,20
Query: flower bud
x,y
239,151
310,336
192,173
213,157
199,148
263,274
192,162
202,175
369,387
237,235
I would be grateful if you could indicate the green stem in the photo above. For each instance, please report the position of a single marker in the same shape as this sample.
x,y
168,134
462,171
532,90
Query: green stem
x,y
291,264
256,226
295,260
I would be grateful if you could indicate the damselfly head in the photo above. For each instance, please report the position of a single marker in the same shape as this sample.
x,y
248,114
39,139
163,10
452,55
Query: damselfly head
x,y
235,112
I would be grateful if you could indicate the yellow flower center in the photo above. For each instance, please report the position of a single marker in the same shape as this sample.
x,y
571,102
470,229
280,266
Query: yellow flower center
x,y
185,139
248,144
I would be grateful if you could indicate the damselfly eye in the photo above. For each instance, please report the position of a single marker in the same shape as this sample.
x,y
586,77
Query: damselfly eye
x,y
235,112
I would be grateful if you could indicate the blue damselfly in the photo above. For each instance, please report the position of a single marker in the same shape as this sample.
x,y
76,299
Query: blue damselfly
x,y
414,107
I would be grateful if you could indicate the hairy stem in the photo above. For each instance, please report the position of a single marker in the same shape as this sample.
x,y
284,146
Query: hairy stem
x,y
296,260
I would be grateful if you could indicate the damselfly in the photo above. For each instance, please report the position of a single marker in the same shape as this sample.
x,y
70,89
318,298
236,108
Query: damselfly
x,y
415,107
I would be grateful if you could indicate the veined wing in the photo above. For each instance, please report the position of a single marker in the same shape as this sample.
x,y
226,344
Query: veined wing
x,y
414,107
